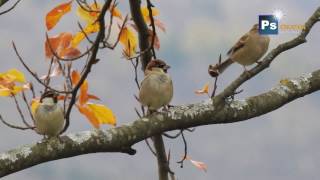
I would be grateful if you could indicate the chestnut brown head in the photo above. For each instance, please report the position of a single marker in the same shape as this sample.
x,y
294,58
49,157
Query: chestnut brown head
x,y
157,63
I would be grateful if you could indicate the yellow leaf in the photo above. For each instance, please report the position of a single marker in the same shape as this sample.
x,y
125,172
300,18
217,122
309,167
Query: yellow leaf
x,y
103,114
9,92
85,110
129,41
13,75
89,15
34,105
204,90
56,13
89,29
145,13
115,12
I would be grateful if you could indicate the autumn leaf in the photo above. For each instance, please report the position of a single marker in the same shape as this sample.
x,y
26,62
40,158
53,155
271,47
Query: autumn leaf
x,y
79,36
8,82
156,43
115,12
103,114
89,15
85,110
146,15
199,165
60,44
204,90
129,40
56,13
35,102
13,75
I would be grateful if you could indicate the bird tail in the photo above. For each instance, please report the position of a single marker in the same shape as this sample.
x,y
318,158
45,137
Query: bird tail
x,y
216,70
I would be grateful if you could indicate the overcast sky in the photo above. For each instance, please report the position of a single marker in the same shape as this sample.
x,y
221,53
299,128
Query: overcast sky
x,y
280,145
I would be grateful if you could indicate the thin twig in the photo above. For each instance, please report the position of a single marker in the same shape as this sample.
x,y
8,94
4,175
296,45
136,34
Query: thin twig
x,y
150,148
20,111
14,126
27,104
185,150
34,74
12,7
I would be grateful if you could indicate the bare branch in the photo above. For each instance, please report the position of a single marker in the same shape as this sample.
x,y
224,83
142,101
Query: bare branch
x,y
8,10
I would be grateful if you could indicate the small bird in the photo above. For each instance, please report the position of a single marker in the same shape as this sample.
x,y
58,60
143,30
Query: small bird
x,y
156,88
247,51
49,116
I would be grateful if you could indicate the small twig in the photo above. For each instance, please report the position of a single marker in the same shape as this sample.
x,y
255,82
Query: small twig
x,y
14,126
27,104
172,136
88,8
34,74
150,148
12,7
185,150
47,79
20,111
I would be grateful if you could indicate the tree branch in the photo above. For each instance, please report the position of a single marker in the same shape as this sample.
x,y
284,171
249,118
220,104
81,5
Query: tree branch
x,y
142,31
120,139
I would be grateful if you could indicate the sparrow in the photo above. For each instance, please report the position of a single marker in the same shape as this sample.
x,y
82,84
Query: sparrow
x,y
49,116
247,51
156,88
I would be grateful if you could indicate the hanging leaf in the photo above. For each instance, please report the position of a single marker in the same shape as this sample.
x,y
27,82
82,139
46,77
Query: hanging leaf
x,y
89,15
204,90
199,165
115,12
85,110
145,13
103,114
56,13
79,36
129,40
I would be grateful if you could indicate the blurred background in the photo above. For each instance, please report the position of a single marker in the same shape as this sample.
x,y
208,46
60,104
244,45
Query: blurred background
x,y
280,145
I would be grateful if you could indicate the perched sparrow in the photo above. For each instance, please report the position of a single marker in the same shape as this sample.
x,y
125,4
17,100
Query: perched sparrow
x,y
248,50
156,88
49,117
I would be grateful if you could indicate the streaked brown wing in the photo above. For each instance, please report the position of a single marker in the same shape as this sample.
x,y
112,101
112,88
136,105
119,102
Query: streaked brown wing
x,y
241,42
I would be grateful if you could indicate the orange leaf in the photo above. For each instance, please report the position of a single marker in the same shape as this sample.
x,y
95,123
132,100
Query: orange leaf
x,y
56,13
89,29
75,77
91,96
58,44
115,12
103,114
70,53
91,14
145,13
129,40
156,43
85,110
199,165
83,97
204,90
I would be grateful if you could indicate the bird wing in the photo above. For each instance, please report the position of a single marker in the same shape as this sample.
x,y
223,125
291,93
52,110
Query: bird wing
x,y
241,42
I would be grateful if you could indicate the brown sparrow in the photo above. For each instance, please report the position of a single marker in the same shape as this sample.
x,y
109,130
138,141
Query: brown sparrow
x,y
247,51
49,116
156,88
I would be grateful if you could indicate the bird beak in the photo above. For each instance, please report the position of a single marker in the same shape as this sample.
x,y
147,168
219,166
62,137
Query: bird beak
x,y
166,67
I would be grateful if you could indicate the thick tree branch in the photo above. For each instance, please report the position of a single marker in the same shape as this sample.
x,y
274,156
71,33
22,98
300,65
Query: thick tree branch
x,y
120,139
142,31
